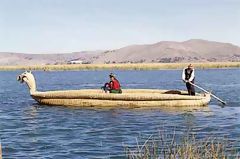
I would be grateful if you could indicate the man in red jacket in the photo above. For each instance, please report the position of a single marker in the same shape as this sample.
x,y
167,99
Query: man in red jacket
x,y
113,86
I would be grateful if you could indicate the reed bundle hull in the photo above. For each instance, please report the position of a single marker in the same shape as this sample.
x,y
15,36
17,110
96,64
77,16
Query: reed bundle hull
x,y
129,98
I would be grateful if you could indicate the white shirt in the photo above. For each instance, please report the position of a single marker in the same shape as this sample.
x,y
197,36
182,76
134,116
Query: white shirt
x,y
192,75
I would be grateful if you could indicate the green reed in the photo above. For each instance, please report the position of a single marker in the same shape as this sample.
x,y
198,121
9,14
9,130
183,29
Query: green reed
x,y
172,146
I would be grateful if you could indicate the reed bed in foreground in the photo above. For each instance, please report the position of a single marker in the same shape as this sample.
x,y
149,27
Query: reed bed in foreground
x,y
173,146
134,66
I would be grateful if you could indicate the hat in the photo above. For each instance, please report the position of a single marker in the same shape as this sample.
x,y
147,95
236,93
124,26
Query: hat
x,y
111,75
190,65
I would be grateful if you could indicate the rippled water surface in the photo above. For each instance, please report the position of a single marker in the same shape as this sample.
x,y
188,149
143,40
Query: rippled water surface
x,y
28,130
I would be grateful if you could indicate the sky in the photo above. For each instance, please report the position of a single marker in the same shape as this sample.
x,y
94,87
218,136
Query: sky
x,y
60,26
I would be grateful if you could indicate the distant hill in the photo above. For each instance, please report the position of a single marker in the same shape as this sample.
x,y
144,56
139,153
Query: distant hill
x,y
194,50
167,51
43,59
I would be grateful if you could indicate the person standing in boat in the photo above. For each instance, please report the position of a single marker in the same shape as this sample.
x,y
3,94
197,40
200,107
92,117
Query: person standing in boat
x,y
188,75
113,86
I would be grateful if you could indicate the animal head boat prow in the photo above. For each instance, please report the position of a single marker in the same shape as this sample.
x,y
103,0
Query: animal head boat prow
x,y
28,77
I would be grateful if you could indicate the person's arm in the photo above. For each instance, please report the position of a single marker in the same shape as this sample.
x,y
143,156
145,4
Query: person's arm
x,y
183,74
192,76
111,84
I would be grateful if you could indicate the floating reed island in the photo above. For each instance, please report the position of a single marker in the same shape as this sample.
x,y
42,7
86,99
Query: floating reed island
x,y
130,98
128,66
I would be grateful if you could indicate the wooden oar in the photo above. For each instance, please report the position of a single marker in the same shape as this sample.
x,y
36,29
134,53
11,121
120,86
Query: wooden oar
x,y
224,103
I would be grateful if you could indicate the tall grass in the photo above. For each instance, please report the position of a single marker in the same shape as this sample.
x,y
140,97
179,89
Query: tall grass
x,y
138,66
173,146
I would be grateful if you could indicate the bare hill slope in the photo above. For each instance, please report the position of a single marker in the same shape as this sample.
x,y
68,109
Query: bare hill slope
x,y
194,50
43,59
166,51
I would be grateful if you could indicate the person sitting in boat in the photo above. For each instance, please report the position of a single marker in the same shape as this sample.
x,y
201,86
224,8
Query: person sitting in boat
x,y
188,76
113,86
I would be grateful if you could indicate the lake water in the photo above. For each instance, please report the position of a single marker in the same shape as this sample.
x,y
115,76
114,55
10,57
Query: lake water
x,y
28,130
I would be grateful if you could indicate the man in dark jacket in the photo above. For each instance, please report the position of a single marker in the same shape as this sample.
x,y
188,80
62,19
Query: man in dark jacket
x,y
188,75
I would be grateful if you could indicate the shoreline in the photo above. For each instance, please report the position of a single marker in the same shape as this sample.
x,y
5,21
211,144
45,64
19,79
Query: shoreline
x,y
135,66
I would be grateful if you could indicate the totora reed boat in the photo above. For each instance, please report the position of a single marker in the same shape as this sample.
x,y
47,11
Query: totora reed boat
x,y
130,98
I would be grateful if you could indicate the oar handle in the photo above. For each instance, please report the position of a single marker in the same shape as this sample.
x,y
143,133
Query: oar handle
x,y
223,102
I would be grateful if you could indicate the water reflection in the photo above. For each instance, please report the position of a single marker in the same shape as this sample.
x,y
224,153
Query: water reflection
x,y
31,112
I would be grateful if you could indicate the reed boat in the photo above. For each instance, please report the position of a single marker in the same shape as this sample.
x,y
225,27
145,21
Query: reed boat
x,y
130,98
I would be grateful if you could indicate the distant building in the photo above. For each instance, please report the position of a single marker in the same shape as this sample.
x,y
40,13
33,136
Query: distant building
x,y
75,62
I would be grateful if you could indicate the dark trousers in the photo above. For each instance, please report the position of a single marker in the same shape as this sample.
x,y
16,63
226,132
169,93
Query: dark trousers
x,y
190,88
106,87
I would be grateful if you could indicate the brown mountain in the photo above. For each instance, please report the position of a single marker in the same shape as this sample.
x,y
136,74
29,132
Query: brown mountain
x,y
166,51
43,59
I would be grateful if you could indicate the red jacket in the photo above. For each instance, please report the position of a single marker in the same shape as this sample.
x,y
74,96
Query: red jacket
x,y
114,85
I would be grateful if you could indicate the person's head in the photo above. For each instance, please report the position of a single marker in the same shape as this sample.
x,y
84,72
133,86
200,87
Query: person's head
x,y
112,76
190,66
